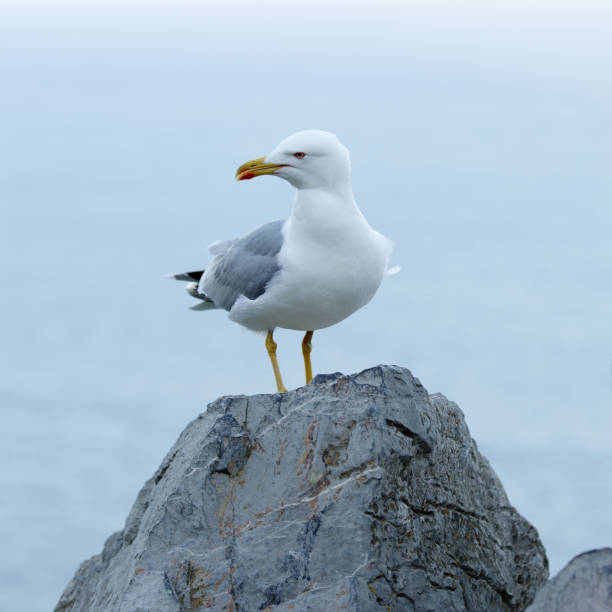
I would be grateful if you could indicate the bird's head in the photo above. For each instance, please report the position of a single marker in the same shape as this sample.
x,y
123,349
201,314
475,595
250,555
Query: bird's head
x,y
312,159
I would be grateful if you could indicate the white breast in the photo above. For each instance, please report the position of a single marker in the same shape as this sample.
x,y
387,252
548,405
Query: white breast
x,y
332,263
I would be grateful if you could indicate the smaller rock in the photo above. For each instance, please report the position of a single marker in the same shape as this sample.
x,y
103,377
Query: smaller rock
x,y
585,583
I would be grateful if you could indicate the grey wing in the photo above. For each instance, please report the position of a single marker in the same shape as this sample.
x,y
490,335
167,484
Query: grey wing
x,y
245,268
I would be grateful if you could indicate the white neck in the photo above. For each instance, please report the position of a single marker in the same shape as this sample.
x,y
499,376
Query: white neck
x,y
324,205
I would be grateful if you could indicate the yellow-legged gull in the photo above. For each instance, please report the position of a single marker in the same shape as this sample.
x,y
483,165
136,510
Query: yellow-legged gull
x,y
306,272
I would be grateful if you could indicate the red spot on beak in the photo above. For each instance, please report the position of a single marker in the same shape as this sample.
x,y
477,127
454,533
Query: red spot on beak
x,y
246,175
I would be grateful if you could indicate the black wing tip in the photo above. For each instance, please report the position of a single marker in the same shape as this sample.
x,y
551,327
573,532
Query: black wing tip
x,y
196,275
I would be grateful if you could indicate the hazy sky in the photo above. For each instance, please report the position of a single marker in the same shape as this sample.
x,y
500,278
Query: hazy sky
x,y
480,136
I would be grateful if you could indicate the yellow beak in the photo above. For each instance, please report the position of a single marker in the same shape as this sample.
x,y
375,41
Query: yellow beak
x,y
254,168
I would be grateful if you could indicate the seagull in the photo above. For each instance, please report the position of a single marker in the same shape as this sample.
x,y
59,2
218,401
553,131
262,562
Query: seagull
x,y
306,272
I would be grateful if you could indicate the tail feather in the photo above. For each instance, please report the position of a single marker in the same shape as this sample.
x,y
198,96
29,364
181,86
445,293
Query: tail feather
x,y
192,288
209,305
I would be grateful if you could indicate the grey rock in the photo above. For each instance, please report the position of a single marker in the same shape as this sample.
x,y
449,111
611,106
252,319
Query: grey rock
x,y
585,583
353,493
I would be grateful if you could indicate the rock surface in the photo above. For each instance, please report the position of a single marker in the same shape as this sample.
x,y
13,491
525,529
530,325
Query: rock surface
x,y
353,493
585,583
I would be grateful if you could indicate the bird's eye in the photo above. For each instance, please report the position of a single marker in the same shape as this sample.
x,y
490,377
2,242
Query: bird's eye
x,y
299,155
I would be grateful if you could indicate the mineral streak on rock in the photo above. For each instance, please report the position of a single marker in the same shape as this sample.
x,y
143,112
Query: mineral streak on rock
x,y
353,493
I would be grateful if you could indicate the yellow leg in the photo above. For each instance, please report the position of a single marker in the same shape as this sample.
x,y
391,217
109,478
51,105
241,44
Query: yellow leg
x,y
271,346
306,348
